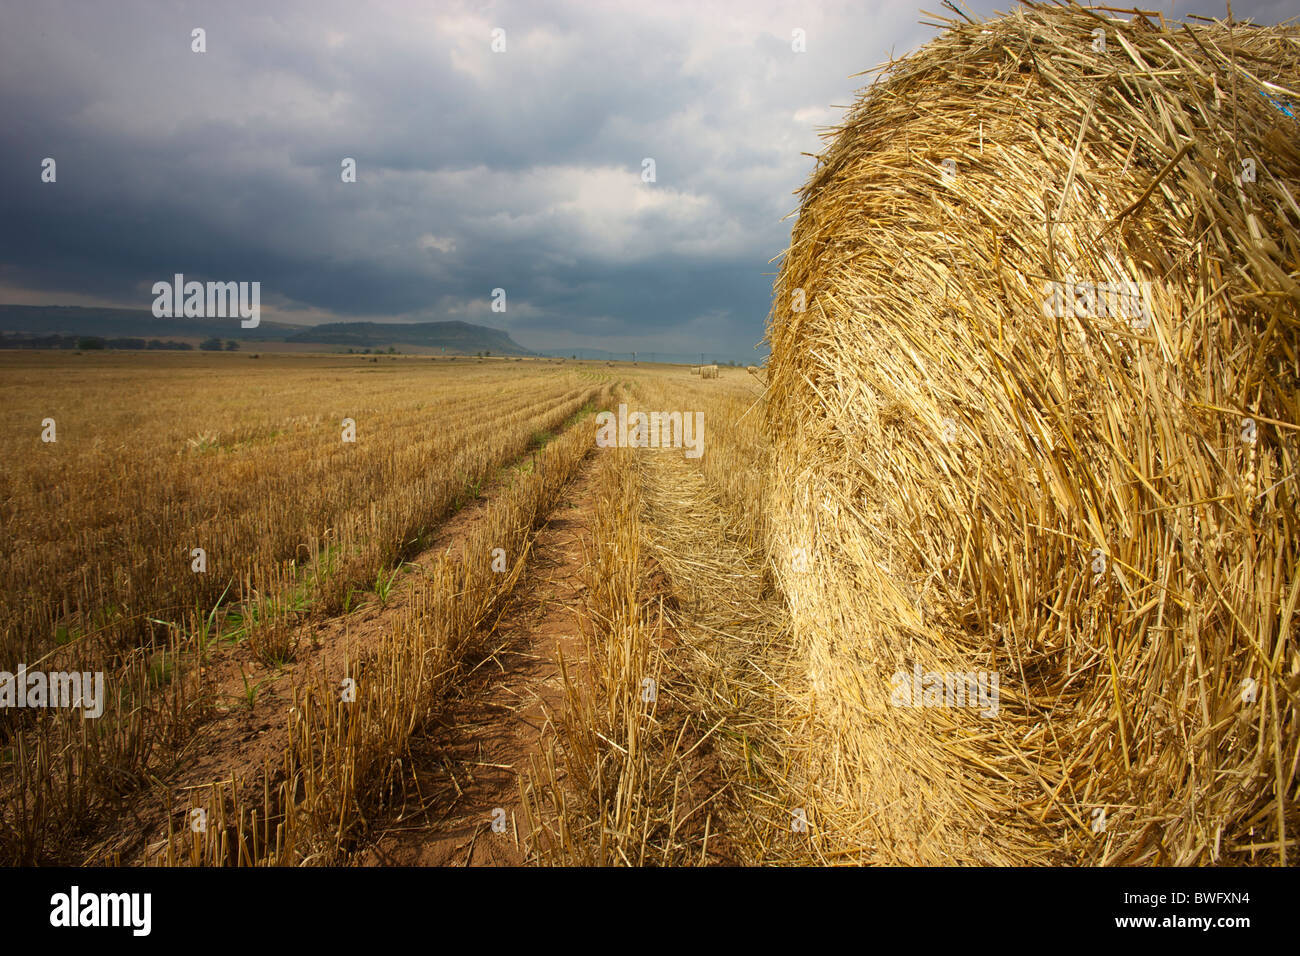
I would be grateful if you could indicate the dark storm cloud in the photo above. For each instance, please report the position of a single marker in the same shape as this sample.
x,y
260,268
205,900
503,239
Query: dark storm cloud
x,y
477,170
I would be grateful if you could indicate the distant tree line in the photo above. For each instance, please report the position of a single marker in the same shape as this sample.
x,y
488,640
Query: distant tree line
x,y
214,345
89,342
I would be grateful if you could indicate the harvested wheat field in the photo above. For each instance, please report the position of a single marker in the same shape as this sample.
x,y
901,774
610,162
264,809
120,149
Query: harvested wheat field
x,y
993,561
425,623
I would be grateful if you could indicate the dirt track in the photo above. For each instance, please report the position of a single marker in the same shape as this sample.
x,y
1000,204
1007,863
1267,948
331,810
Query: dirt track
x,y
467,762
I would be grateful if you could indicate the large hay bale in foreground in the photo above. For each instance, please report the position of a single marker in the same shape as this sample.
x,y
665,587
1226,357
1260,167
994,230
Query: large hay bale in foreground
x,y
1088,491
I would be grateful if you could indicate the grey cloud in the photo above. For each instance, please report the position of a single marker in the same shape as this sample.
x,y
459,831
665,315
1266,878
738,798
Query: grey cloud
x,y
476,170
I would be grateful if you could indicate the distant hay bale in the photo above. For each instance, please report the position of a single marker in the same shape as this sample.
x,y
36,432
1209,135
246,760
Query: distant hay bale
x,y
695,370
708,371
1037,418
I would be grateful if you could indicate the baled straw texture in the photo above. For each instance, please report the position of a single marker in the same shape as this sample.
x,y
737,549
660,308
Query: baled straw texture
x,y
972,472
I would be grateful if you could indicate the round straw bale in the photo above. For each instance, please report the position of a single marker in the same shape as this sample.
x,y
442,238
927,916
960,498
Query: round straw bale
x,y
1033,398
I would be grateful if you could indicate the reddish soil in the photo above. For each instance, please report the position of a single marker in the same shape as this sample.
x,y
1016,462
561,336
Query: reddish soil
x,y
467,763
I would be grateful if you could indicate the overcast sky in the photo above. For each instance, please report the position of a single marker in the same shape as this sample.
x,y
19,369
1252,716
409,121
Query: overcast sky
x,y
475,170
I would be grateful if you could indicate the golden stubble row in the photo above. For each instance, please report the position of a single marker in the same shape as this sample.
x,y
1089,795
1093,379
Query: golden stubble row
x,y
99,528
344,759
408,469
